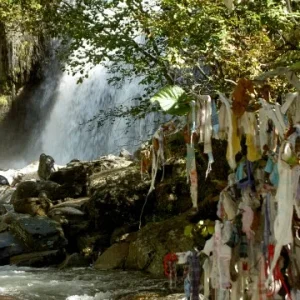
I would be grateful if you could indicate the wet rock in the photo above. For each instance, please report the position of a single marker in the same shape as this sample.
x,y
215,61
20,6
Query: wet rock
x,y
38,259
37,233
46,166
154,241
9,246
75,260
3,180
114,257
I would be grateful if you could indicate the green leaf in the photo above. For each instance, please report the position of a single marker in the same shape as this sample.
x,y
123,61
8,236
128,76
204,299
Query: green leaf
x,y
295,66
173,100
188,231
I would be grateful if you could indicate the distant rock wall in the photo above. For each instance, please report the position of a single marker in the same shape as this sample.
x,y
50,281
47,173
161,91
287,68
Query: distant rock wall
x,y
21,57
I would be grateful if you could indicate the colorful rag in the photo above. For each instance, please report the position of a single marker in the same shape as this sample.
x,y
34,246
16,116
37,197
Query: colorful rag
x,y
192,174
195,275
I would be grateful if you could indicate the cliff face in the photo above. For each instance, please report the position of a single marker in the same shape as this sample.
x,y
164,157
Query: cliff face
x,y
21,55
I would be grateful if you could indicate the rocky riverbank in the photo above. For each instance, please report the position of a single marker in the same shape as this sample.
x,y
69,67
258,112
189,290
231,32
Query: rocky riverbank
x,y
88,212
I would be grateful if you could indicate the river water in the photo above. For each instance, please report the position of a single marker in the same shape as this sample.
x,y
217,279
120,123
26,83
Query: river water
x,y
73,284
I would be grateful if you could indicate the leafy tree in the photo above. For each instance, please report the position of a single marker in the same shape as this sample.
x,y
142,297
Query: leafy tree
x,y
25,15
200,45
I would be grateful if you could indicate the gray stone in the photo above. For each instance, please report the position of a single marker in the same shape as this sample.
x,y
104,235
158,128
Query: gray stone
x,y
9,246
38,259
75,260
154,241
38,233
114,257
32,206
46,166
118,197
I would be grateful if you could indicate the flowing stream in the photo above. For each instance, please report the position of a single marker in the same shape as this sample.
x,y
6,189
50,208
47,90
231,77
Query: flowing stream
x,y
73,284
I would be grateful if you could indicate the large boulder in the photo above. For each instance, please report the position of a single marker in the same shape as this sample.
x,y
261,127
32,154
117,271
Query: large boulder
x,y
103,165
52,190
3,180
118,197
32,206
37,233
46,166
114,257
75,260
38,259
6,194
154,241
9,246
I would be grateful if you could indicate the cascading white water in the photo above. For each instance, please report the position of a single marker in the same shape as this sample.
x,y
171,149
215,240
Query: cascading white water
x,y
64,138
56,115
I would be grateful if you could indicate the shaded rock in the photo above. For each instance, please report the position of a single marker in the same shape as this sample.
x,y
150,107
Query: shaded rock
x,y
124,233
154,241
3,226
46,166
118,198
9,246
32,206
6,194
52,190
66,211
92,244
126,154
70,175
75,203
105,165
75,260
37,233
38,259
32,189
3,210
114,257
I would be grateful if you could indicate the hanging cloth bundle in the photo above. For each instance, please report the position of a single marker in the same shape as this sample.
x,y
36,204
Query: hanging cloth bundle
x,y
286,199
233,140
248,121
170,268
274,113
207,131
158,159
215,120
192,174
194,274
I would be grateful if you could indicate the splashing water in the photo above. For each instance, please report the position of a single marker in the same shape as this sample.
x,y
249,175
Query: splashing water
x,y
73,284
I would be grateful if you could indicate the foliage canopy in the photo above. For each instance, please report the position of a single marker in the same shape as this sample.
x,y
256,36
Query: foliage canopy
x,y
200,45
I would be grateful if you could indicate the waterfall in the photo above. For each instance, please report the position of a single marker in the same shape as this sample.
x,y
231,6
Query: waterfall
x,y
75,104
54,117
